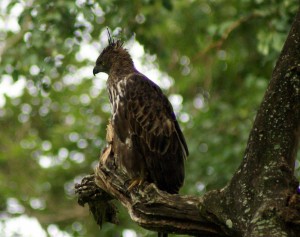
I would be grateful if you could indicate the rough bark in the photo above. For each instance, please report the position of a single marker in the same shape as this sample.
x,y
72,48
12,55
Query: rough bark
x,y
260,200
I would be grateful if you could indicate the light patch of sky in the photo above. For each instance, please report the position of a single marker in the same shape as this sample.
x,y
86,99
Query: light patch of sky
x,y
129,233
150,69
21,226
176,101
45,162
9,22
10,88
26,226
54,231
78,76
87,51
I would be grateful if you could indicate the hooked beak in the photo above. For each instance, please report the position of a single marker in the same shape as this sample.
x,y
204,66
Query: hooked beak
x,y
97,69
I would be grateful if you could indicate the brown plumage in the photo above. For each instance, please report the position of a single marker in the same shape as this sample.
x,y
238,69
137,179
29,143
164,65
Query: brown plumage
x,y
148,141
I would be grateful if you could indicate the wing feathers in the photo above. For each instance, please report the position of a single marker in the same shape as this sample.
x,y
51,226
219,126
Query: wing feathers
x,y
151,116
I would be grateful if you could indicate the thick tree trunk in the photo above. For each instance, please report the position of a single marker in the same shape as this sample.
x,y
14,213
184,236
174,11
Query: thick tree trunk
x,y
260,200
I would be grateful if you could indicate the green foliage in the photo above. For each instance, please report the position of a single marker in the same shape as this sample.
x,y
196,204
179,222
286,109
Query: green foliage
x,y
219,53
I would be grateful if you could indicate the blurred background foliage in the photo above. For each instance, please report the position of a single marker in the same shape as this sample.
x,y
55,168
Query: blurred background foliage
x,y
214,59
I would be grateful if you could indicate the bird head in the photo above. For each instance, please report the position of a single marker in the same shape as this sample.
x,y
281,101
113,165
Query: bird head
x,y
106,58
112,57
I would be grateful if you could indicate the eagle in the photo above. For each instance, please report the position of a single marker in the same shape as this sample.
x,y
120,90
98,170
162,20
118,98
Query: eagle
x,y
148,142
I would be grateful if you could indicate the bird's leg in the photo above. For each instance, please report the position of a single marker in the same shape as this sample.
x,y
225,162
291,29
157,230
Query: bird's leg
x,y
135,182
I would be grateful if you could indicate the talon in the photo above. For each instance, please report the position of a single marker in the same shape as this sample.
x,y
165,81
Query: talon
x,y
135,183
87,179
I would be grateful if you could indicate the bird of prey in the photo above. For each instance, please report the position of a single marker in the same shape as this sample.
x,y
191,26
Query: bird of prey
x,y
149,143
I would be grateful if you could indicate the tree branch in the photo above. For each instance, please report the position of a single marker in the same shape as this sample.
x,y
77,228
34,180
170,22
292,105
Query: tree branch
x,y
265,179
218,44
156,210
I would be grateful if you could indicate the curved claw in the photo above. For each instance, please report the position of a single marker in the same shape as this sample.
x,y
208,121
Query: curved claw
x,y
136,182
